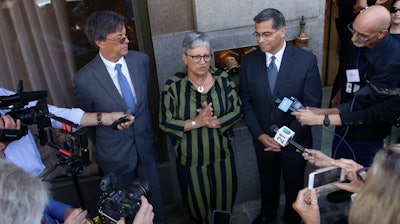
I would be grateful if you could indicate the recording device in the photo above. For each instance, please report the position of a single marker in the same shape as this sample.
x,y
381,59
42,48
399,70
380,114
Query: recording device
x,y
21,99
292,104
33,115
9,135
70,143
221,217
115,202
121,120
284,136
27,116
325,176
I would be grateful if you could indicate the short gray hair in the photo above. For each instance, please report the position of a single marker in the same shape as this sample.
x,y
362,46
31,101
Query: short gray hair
x,y
195,39
22,197
278,19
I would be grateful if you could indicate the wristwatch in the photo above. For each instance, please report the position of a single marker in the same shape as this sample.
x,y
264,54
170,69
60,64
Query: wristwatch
x,y
327,122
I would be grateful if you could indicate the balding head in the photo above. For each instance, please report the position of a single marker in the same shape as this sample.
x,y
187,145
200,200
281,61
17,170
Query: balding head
x,y
372,24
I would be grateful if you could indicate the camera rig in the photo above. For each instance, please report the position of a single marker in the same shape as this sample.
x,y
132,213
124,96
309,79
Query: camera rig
x,y
71,141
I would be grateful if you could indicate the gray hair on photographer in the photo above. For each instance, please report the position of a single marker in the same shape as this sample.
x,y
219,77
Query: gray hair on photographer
x,y
22,197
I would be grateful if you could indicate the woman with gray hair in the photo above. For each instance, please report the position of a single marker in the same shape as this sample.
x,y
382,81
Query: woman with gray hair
x,y
198,109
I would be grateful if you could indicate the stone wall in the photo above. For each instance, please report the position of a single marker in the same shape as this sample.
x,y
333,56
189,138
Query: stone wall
x,y
229,24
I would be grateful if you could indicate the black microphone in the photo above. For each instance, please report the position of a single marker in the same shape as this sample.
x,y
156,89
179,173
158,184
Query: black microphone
x,y
275,129
23,97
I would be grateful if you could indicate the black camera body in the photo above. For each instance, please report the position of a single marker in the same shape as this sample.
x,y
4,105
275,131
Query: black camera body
x,y
115,202
30,116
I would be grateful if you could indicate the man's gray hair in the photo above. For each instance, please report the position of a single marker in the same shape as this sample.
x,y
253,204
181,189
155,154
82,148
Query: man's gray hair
x,y
22,197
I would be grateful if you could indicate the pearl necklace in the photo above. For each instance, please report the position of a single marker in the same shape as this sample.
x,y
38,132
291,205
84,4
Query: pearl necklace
x,y
200,88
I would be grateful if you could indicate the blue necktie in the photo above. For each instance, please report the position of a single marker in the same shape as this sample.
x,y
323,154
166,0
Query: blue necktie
x,y
126,89
272,74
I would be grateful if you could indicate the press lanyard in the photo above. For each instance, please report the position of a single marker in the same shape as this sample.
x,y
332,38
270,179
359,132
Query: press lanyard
x,y
358,58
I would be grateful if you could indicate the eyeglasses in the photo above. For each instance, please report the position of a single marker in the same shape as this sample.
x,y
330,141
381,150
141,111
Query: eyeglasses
x,y
264,34
361,36
197,58
359,176
394,10
120,40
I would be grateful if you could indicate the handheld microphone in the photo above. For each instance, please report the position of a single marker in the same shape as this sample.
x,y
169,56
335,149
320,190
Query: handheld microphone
x,y
286,104
23,97
284,136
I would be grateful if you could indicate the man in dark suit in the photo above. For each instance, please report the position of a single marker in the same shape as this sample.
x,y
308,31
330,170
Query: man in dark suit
x,y
119,80
298,76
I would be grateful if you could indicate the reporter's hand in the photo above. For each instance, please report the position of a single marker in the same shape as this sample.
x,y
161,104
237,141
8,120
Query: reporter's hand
x,y
75,216
306,205
317,158
308,117
350,167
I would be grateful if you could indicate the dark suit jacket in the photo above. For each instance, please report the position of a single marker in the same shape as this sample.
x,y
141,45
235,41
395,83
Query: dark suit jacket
x,y
118,151
298,76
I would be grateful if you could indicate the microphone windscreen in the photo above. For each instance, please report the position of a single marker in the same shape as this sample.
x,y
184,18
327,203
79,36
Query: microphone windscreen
x,y
32,96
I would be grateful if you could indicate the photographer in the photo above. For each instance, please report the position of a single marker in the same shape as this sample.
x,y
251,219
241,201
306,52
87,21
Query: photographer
x,y
18,187
24,152
23,197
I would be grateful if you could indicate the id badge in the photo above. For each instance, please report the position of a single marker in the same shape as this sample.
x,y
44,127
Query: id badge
x,y
352,75
352,88
349,87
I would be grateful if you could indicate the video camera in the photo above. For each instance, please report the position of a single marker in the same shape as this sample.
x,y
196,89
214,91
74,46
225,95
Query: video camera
x,y
115,202
27,116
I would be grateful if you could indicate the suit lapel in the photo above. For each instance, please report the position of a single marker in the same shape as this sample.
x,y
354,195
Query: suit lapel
x,y
103,77
286,64
138,84
262,72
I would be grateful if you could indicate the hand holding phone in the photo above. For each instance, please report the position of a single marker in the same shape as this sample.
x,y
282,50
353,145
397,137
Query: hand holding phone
x,y
325,176
121,120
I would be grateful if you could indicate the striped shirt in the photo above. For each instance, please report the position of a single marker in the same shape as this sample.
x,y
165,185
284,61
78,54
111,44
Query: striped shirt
x,y
179,101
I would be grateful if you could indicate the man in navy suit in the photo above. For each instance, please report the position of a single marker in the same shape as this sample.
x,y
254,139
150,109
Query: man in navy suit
x,y
104,84
297,76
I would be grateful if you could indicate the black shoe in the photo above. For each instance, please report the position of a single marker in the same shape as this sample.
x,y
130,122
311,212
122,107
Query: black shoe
x,y
338,196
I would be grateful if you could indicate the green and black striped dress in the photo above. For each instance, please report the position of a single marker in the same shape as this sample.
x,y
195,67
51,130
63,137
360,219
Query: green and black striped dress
x,y
205,161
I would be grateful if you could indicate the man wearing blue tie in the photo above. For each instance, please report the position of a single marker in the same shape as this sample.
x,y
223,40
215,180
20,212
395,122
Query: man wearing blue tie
x,y
277,70
118,79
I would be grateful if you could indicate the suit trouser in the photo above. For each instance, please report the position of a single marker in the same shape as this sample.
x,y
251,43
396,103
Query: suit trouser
x,y
270,166
208,188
